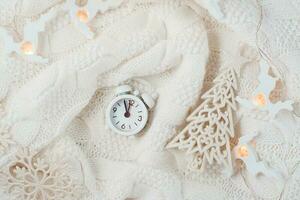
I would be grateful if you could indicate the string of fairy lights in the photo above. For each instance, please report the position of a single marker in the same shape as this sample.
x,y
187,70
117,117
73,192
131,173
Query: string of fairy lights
x,y
261,103
80,15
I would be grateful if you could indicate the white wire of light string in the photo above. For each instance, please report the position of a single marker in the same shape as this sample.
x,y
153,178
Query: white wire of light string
x,y
263,54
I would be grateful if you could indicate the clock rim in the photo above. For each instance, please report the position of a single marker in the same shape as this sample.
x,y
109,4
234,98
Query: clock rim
x,y
115,129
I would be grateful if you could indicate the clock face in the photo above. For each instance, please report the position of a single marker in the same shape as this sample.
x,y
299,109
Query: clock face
x,y
127,115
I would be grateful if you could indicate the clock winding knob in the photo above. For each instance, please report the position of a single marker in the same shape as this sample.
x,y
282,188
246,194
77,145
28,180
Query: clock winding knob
x,y
124,89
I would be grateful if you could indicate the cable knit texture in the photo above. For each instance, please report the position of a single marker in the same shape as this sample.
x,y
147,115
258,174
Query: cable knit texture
x,y
54,144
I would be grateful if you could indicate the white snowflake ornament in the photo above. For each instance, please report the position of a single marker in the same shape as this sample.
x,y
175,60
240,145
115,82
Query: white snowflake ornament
x,y
245,152
260,98
81,16
30,42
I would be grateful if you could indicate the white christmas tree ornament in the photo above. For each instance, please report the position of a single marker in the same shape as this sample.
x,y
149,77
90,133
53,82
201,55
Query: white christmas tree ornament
x,y
210,127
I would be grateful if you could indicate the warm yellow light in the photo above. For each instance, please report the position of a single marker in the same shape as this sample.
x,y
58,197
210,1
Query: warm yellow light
x,y
260,99
83,15
243,151
27,48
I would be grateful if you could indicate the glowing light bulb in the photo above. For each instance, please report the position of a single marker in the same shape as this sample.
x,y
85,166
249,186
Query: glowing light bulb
x,y
27,48
243,151
260,99
83,15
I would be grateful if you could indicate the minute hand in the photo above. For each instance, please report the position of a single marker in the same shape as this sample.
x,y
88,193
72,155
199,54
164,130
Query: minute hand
x,y
126,110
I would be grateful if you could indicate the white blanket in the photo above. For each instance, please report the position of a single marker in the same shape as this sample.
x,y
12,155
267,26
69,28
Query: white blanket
x,y
54,143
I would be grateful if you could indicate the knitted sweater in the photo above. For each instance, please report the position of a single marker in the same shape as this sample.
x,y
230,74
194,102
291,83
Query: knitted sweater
x,y
54,141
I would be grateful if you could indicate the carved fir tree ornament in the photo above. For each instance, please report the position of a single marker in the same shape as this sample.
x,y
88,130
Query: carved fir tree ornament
x,y
210,127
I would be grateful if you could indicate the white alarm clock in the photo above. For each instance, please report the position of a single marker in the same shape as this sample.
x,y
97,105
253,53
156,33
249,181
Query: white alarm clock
x,y
127,114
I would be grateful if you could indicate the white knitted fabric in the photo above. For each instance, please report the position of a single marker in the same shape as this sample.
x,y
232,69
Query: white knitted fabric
x,y
54,144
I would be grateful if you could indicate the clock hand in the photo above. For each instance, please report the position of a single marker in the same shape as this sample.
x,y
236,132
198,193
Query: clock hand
x,y
126,110
126,114
130,104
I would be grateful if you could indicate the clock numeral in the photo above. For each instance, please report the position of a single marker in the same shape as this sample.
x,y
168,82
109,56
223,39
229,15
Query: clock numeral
x,y
123,126
140,118
115,109
129,127
135,123
131,102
